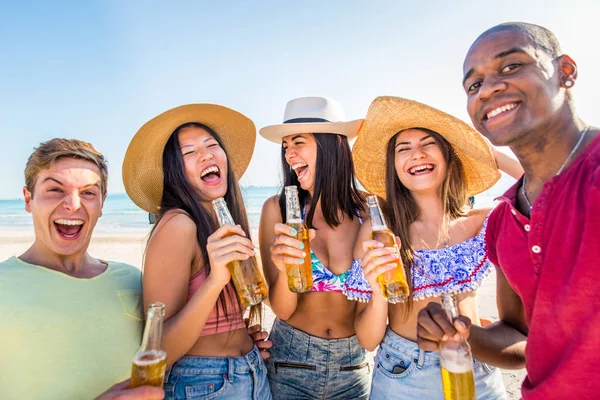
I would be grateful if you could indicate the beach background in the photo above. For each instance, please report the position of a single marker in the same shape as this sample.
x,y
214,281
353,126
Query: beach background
x,y
121,234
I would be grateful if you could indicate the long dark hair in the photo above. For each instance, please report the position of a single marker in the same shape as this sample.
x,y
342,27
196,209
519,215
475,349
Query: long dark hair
x,y
401,209
179,194
335,183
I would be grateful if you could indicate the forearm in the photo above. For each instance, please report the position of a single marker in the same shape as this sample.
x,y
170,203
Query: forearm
x,y
182,330
283,302
508,164
498,344
371,322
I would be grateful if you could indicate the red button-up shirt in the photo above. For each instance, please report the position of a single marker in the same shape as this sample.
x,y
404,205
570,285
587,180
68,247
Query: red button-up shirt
x,y
552,261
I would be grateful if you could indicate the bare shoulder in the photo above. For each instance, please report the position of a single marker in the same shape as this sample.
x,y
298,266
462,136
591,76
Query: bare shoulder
x,y
476,217
175,224
271,213
271,204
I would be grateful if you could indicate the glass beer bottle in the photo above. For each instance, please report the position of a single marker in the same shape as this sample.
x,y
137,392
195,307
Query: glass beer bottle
x,y
247,277
149,363
456,362
299,276
393,284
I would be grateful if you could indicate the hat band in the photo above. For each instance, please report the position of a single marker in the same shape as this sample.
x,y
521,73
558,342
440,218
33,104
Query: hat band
x,y
301,120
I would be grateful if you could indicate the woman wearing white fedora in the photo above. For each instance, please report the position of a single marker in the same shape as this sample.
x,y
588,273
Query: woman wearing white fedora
x,y
175,165
315,352
424,163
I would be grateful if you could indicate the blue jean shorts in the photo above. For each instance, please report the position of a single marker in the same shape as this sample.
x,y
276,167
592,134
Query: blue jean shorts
x,y
236,378
303,366
417,374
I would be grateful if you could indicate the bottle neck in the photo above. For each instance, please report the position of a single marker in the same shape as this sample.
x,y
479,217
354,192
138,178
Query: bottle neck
x,y
223,214
449,306
377,221
152,339
292,203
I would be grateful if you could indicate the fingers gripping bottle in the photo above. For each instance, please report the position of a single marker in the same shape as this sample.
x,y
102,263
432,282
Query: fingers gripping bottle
x,y
299,276
456,361
150,361
393,284
247,278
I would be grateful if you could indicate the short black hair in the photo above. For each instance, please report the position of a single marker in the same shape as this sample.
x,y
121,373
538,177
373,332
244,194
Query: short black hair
x,y
541,37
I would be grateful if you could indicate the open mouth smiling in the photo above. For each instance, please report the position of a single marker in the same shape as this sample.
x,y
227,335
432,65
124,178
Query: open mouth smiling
x,y
421,169
211,175
300,169
498,111
69,228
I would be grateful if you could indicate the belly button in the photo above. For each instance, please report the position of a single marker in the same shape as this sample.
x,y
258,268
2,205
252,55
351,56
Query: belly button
x,y
329,332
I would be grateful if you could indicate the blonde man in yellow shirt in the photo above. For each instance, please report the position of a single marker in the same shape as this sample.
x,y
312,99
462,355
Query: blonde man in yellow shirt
x,y
70,323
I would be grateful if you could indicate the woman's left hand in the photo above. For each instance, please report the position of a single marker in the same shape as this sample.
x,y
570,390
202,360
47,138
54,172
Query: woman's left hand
x,y
259,337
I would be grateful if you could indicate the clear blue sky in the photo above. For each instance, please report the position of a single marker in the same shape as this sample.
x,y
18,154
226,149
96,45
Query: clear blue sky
x,y
98,70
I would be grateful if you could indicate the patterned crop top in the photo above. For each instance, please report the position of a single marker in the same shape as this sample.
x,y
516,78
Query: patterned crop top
x,y
226,323
454,269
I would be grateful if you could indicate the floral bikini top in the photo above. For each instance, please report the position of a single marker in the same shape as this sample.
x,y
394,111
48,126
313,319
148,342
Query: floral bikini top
x,y
453,269
323,279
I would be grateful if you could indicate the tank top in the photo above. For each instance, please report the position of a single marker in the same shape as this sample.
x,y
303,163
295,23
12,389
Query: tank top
x,y
225,322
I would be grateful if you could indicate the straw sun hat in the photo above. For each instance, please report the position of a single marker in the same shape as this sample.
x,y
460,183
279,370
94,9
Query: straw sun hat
x,y
312,115
389,115
142,167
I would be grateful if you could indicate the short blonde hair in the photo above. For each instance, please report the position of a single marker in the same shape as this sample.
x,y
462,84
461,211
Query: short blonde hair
x,y
47,153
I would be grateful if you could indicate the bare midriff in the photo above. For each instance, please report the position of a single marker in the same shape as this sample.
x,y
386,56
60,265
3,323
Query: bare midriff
x,y
328,315
226,344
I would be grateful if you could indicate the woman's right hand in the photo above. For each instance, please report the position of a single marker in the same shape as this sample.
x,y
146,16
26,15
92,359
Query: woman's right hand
x,y
376,260
286,249
226,244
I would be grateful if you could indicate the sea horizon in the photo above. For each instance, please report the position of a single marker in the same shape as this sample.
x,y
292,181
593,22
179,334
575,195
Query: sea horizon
x,y
120,214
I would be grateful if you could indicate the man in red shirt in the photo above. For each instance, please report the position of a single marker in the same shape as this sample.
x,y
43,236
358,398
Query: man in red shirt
x,y
544,236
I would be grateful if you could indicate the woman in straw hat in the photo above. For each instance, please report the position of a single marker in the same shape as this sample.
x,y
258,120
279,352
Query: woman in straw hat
x,y
424,163
175,165
315,352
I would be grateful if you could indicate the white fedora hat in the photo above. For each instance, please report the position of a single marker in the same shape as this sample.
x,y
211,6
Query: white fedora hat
x,y
312,115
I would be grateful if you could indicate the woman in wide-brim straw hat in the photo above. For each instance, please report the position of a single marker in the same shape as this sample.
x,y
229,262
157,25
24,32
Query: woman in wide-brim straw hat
x,y
424,163
176,164
315,352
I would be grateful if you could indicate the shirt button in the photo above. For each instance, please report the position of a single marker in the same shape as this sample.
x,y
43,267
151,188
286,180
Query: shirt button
x,y
527,228
536,249
512,210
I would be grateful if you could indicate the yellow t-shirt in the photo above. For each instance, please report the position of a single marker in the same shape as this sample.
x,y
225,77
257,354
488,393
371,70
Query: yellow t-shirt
x,y
66,338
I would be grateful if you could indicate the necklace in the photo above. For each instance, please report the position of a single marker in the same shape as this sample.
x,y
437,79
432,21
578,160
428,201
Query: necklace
x,y
581,136
437,237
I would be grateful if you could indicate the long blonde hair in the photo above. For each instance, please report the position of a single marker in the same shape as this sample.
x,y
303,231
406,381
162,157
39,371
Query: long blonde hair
x,y
401,209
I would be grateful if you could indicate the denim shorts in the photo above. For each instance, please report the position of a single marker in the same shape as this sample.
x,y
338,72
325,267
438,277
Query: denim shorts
x,y
420,377
303,366
238,378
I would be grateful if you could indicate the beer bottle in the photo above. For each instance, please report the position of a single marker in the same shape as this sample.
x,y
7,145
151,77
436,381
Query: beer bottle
x,y
393,284
247,278
456,362
150,361
299,276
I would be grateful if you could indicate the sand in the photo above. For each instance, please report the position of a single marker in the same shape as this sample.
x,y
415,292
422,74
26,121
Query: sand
x,y
129,248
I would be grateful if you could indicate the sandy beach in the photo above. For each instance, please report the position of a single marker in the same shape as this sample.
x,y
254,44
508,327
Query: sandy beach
x,y
129,248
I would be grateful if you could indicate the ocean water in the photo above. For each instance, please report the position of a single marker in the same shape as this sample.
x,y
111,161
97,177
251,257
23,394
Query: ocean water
x,y
120,214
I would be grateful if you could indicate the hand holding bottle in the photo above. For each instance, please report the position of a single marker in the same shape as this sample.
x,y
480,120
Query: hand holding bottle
x,y
227,244
434,326
286,249
378,259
